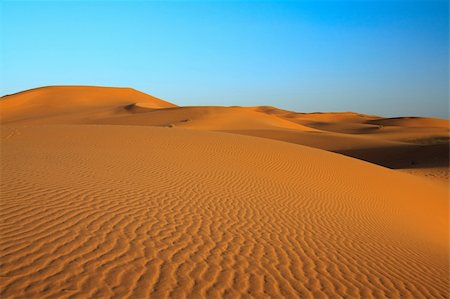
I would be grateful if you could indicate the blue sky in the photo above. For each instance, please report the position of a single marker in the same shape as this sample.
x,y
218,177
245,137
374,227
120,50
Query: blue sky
x,y
378,57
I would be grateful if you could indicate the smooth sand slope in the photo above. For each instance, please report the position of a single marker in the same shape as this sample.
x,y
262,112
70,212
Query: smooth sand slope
x,y
111,193
117,211
74,104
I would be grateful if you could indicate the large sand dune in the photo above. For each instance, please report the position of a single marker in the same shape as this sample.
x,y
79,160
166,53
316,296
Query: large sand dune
x,y
133,197
74,104
417,145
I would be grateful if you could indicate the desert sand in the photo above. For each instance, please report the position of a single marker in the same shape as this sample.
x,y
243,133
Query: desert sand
x,y
112,193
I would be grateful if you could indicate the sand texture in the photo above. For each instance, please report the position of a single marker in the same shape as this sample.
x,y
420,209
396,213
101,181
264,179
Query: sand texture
x,y
128,196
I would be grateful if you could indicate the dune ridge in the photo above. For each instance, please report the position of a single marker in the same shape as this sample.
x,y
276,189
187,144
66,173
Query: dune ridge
x,y
73,104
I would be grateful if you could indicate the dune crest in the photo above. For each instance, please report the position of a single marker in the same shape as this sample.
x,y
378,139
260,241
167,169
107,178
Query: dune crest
x,y
53,104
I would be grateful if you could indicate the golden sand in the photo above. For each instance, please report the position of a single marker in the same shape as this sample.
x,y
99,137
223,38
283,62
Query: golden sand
x,y
107,199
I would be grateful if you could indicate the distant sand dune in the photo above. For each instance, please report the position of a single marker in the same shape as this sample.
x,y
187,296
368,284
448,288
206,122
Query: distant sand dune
x,y
206,118
74,104
116,211
412,122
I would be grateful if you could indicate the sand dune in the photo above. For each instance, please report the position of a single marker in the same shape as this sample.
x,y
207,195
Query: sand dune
x,y
207,118
112,193
412,122
119,211
62,104
416,144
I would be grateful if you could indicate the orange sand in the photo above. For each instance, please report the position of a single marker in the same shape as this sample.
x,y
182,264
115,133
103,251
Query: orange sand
x,y
113,193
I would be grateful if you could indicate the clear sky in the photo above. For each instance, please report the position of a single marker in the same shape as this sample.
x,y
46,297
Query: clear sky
x,y
378,57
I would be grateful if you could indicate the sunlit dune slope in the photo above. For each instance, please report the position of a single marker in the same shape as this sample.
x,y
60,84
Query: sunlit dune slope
x,y
135,211
206,118
62,104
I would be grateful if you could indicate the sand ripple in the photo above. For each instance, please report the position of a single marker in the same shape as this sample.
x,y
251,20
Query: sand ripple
x,y
134,212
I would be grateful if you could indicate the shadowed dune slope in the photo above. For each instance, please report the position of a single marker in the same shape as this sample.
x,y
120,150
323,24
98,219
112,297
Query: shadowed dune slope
x,y
412,122
137,212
